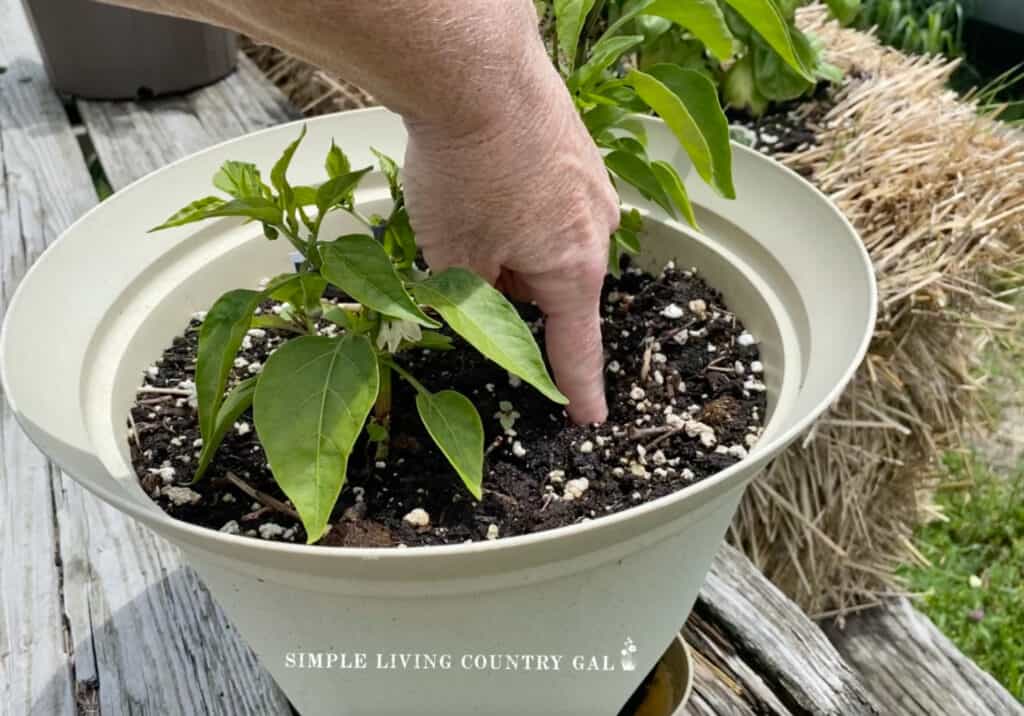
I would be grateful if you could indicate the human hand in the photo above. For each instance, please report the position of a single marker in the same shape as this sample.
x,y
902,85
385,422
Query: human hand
x,y
525,201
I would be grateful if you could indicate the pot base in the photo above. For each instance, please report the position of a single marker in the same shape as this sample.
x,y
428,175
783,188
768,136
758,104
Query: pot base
x,y
666,690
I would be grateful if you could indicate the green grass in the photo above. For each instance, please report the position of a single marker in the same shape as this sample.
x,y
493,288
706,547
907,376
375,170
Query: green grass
x,y
975,586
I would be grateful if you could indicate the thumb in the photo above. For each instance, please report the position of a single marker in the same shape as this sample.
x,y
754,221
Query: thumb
x,y
571,302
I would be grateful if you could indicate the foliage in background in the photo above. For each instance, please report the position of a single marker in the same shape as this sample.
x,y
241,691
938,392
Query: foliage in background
x,y
751,64
974,587
926,27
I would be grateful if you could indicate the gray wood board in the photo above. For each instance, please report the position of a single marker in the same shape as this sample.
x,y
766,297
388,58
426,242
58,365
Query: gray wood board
x,y
912,668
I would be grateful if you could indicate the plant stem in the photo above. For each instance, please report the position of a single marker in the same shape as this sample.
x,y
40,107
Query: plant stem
x,y
382,408
406,375
261,497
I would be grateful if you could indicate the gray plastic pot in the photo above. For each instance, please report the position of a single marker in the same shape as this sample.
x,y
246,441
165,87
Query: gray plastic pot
x,y
786,260
99,51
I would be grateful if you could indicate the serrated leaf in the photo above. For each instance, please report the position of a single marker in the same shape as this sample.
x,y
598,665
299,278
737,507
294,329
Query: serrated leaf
x,y
455,426
703,18
336,163
569,18
483,316
389,168
673,185
688,103
603,55
311,402
637,172
237,402
211,207
765,17
239,179
360,267
339,189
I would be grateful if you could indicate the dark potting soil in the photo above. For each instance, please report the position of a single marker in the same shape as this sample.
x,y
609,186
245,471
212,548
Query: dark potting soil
x,y
686,399
787,127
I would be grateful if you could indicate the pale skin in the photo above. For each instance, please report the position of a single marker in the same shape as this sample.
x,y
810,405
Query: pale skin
x,y
500,174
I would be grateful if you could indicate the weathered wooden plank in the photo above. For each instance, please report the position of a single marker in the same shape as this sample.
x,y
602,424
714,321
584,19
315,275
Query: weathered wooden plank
x,y
43,186
913,669
135,138
759,653
161,644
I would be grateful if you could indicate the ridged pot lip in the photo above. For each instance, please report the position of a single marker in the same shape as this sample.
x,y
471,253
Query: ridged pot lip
x,y
194,534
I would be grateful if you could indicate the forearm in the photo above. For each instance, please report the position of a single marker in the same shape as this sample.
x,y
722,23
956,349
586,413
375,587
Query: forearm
x,y
446,62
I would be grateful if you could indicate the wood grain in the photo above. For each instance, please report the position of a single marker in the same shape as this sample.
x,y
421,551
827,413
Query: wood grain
x,y
759,653
43,187
912,668
133,139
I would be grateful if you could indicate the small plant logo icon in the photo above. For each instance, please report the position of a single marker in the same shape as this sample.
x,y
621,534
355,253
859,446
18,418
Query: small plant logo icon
x,y
628,652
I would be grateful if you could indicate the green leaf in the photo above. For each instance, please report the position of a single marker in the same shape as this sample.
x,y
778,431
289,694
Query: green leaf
x,y
602,117
603,55
483,316
239,179
627,241
569,18
703,18
389,168
211,207
279,178
275,322
454,423
688,102
739,90
360,267
311,402
304,292
614,259
767,19
304,195
430,340
336,163
672,183
334,191
616,27
236,403
845,11
631,220
634,170
399,239
219,339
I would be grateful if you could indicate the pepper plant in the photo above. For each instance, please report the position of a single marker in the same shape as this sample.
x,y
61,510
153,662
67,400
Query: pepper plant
x,y
320,390
615,77
317,393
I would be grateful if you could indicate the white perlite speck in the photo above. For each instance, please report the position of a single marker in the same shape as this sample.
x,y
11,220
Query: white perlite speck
x,y
754,385
574,489
270,530
745,339
556,475
672,311
492,532
227,498
698,307
637,393
166,473
514,380
418,518
256,333
586,447
614,367
231,528
241,362
757,367
518,450
153,371
181,496
243,428
255,367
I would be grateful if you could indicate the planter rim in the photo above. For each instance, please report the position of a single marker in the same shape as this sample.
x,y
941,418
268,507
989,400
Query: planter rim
x,y
195,534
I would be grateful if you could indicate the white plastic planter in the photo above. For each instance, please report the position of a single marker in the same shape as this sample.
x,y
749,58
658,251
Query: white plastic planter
x,y
106,299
